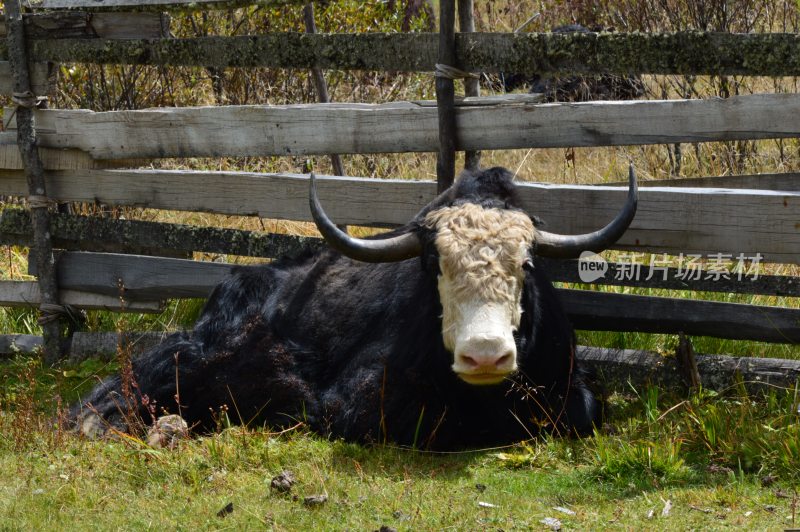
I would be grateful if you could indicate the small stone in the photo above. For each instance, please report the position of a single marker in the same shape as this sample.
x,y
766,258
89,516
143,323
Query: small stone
x,y
716,468
768,480
167,432
563,510
315,500
551,522
283,482
486,504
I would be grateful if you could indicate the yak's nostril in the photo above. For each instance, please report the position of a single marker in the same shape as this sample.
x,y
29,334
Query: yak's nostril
x,y
469,361
504,360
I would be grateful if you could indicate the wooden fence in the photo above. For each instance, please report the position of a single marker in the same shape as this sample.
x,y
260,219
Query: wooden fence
x,y
132,266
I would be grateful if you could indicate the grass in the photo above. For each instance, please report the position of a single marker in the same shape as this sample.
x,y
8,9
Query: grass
x,y
721,462
116,485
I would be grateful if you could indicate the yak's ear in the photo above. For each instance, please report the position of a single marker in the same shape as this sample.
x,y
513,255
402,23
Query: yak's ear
x,y
429,258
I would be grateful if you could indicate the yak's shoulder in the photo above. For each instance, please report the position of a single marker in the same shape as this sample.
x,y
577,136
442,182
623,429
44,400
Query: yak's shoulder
x,y
248,288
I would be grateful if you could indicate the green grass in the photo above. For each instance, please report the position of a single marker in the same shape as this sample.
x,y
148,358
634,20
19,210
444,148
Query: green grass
x,y
108,485
707,454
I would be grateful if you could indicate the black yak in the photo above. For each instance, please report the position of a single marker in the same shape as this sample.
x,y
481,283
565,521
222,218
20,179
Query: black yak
x,y
443,334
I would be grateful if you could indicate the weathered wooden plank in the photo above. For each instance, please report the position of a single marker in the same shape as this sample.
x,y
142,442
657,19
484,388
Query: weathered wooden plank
x,y
404,127
12,344
83,345
82,25
617,369
285,196
148,277
681,220
137,277
621,312
668,220
789,181
54,158
42,83
145,5
773,54
107,345
690,278
80,233
26,294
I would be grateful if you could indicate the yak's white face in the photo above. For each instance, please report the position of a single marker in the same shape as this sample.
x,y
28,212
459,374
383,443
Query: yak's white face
x,y
481,257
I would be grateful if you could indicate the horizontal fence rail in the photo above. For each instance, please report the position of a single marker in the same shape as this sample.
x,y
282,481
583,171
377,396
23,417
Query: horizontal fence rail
x,y
604,311
80,233
668,220
789,181
320,129
138,277
143,5
688,53
76,24
26,294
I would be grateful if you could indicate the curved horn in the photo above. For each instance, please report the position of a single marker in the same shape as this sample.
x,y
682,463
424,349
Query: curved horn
x,y
571,246
391,249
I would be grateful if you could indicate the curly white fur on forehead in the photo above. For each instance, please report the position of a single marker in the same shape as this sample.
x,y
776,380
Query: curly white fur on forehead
x,y
482,250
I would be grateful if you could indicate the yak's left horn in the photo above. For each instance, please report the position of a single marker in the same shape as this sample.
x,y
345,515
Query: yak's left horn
x,y
571,246
390,249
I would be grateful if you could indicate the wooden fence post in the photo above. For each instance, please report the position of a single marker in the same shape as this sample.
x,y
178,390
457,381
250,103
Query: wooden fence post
x,y
466,24
319,83
445,96
25,102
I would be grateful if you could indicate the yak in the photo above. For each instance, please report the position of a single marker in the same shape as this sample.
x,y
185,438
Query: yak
x,y
442,334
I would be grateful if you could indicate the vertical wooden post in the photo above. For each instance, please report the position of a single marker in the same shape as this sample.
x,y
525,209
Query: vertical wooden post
x,y
34,173
319,82
445,97
466,24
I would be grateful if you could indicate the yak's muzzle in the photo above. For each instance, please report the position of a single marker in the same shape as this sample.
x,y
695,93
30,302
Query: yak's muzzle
x,y
484,351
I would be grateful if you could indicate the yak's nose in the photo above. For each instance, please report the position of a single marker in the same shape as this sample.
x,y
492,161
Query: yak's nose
x,y
485,359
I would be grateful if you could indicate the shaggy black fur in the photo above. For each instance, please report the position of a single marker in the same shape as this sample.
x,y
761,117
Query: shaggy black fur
x,y
355,351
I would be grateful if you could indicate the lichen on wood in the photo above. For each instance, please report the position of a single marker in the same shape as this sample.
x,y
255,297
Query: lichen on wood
x,y
156,5
34,174
774,54
82,233
692,52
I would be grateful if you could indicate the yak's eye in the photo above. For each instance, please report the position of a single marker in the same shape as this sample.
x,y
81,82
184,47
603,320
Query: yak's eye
x,y
527,265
